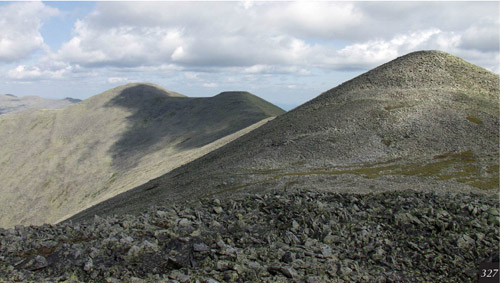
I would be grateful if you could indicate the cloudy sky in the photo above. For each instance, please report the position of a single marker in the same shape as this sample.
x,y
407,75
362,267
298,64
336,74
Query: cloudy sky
x,y
285,52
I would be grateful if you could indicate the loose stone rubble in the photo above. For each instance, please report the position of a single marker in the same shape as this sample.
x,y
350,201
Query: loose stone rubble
x,y
274,237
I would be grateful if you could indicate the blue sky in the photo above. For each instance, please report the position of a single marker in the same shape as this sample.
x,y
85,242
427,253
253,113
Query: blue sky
x,y
285,52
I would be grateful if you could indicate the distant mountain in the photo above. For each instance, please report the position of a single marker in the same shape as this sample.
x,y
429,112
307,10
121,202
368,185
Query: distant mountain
x,y
10,103
55,163
72,100
425,121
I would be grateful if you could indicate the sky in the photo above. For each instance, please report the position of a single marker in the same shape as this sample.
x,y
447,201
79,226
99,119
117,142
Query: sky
x,y
284,52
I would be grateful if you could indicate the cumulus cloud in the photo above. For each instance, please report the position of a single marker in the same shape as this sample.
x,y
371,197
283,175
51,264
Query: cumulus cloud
x,y
483,36
250,39
121,46
114,80
263,37
21,23
313,19
210,85
43,71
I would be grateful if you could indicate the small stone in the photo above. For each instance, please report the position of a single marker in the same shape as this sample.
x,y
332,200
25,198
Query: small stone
x,y
126,240
493,220
88,265
35,263
288,257
179,275
184,222
134,279
201,247
379,254
148,246
161,213
223,265
332,239
230,276
195,233
288,271
465,242
479,236
218,210
221,245
315,279
254,265
326,251
344,270
493,211
215,224
93,252
239,269
133,251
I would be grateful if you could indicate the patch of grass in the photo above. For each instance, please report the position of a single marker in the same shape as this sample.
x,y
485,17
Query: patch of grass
x,y
396,106
386,142
46,184
112,178
266,171
435,168
461,167
487,183
493,169
35,124
474,120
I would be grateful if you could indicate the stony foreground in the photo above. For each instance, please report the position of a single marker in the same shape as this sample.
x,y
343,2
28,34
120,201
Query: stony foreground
x,y
299,236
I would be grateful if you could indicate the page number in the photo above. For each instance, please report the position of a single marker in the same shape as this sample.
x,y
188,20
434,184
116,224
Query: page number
x,y
490,273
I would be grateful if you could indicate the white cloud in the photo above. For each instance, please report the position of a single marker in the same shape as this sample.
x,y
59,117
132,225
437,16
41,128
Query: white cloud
x,y
275,69
114,80
119,45
251,41
209,85
20,29
313,19
45,70
191,76
262,38
482,36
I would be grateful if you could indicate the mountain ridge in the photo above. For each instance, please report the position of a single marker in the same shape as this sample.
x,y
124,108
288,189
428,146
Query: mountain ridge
x,y
391,128
10,103
106,144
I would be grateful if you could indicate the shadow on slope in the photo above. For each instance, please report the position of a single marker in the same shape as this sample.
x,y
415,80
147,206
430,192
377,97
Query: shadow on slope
x,y
158,119
392,128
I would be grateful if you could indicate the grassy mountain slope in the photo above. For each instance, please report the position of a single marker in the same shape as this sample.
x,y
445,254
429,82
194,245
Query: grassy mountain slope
x,y
11,104
57,162
426,121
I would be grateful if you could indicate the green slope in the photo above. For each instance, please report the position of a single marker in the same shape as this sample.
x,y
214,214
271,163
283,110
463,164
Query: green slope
x,y
54,163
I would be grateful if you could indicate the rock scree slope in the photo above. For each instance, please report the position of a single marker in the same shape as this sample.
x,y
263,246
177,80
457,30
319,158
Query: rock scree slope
x,y
54,163
302,236
424,121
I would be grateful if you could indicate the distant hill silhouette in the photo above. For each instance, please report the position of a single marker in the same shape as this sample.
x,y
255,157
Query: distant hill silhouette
x,y
425,121
10,103
57,162
72,100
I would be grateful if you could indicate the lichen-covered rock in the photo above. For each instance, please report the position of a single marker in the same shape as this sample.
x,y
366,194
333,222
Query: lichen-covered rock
x,y
274,237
